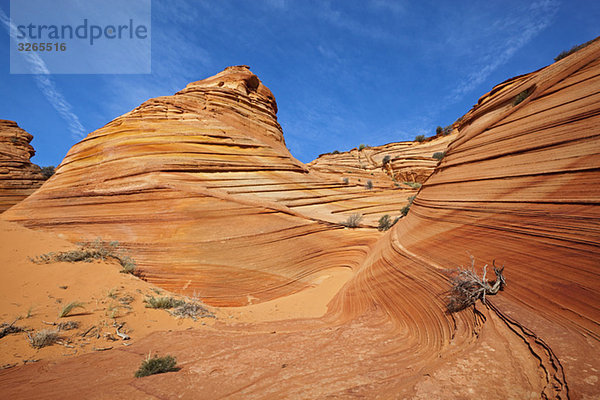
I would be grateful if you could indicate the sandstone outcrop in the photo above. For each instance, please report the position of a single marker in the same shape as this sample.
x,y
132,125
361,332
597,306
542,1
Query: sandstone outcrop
x,y
18,176
518,185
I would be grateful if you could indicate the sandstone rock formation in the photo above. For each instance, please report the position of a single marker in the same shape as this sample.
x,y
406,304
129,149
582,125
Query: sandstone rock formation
x,y
18,176
518,185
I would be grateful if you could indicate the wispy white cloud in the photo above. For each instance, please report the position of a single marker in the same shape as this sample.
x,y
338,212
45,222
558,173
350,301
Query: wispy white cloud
x,y
38,67
515,32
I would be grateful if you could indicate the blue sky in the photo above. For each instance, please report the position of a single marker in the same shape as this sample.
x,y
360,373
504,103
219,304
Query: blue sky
x,y
343,72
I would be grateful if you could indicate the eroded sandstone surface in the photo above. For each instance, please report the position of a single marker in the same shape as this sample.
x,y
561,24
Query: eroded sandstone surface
x,y
199,186
18,176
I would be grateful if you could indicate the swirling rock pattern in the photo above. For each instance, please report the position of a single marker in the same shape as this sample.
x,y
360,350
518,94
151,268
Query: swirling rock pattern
x,y
519,184
18,176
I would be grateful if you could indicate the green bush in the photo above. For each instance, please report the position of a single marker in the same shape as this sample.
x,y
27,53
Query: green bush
x,y
439,130
414,185
157,365
419,138
335,152
361,146
353,220
438,155
447,130
573,49
522,96
386,160
385,223
406,208
48,171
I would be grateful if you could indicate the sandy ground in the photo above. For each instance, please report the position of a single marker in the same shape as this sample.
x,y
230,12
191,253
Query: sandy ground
x,y
34,294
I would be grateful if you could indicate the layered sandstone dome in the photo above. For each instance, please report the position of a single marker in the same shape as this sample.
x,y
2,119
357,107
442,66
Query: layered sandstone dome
x,y
18,176
200,187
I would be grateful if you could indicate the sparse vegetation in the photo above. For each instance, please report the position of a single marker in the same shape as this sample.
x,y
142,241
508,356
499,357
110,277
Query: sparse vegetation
x,y
67,326
335,152
346,181
522,96
164,302
156,365
414,185
353,220
468,287
7,329
447,130
88,252
369,185
47,171
66,310
385,223
438,155
406,208
386,160
573,49
420,138
361,147
191,310
43,338
439,130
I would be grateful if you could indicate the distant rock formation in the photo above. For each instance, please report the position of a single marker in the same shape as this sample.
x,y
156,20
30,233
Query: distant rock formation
x,y
18,176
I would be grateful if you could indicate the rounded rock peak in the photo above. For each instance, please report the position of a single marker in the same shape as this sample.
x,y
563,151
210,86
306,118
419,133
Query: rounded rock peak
x,y
240,79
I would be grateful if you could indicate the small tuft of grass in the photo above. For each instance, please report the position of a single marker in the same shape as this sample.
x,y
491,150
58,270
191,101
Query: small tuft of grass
x,y
43,338
70,307
156,365
353,220
164,302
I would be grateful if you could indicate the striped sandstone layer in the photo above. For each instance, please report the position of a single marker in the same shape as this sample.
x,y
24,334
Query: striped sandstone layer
x,y
518,185
18,176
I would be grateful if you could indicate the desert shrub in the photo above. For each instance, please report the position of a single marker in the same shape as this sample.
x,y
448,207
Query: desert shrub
x,y
361,146
414,185
468,287
406,208
386,160
335,152
369,185
164,302
7,329
47,171
447,130
67,326
419,138
66,310
156,365
42,338
346,181
88,252
522,96
573,49
385,223
353,220
439,130
191,310
438,155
